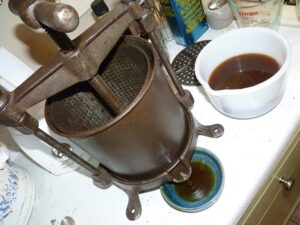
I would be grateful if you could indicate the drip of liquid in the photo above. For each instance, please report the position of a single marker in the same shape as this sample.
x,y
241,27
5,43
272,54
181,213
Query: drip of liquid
x,y
199,185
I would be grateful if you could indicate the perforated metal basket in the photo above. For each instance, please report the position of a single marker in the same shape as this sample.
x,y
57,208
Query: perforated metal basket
x,y
80,108
148,138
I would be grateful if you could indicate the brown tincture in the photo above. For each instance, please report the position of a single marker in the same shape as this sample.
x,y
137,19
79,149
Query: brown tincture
x,y
200,183
243,71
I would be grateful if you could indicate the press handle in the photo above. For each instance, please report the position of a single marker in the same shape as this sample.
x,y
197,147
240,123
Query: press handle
x,y
287,183
58,16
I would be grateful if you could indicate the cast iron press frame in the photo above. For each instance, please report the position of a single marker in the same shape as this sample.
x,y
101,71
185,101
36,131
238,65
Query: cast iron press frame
x,y
78,61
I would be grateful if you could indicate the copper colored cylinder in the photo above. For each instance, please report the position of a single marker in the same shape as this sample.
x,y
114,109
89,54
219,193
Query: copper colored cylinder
x,y
152,134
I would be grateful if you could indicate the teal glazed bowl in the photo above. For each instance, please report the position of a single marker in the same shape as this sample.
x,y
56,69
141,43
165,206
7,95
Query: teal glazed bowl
x,y
175,200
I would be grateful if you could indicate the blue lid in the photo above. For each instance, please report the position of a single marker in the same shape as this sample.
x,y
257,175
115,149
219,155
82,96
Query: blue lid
x,y
171,196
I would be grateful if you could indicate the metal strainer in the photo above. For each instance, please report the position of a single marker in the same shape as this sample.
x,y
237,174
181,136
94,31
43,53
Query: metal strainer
x,y
80,108
184,63
149,141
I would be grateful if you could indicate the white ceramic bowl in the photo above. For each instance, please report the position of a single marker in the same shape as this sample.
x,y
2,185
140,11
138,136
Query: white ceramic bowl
x,y
252,101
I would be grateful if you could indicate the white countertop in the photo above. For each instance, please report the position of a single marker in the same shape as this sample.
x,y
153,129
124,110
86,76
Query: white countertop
x,y
247,151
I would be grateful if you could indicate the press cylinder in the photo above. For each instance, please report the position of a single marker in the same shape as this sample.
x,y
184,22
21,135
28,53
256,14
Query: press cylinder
x,y
144,141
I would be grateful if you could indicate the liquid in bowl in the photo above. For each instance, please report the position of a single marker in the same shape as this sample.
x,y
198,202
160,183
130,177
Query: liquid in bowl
x,y
242,71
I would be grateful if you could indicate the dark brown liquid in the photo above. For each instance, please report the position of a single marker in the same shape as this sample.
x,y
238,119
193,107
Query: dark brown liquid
x,y
200,183
243,71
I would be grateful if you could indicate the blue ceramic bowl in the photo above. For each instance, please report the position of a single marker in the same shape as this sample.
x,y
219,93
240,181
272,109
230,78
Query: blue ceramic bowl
x,y
173,199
